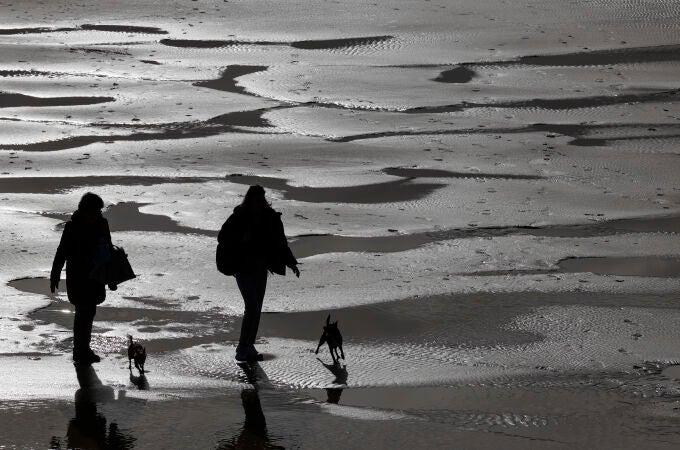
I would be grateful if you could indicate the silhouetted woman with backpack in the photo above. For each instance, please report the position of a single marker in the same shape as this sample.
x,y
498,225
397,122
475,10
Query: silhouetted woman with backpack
x,y
252,243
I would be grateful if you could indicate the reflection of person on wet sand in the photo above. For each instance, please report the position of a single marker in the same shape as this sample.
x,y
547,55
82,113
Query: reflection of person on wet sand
x,y
88,428
251,243
85,243
253,434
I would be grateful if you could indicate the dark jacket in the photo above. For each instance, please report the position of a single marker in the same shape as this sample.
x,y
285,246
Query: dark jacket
x,y
253,243
81,246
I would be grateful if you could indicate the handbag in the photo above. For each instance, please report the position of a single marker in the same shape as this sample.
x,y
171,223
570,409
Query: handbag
x,y
116,271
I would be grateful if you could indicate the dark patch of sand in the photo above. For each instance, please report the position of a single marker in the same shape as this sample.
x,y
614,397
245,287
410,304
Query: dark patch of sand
x,y
51,185
330,44
634,266
584,102
608,57
33,30
577,131
25,73
308,245
199,43
658,224
225,123
639,266
227,81
11,100
322,44
390,191
127,217
123,29
443,320
460,74
554,104
414,172
672,372
600,142
454,132
476,319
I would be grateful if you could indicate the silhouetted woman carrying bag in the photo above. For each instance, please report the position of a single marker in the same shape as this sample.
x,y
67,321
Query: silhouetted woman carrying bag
x,y
252,243
85,244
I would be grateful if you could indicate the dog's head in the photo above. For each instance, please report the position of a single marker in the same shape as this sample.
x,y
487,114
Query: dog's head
x,y
331,328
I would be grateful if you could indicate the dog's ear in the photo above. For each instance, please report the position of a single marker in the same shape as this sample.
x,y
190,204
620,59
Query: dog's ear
x,y
328,320
335,323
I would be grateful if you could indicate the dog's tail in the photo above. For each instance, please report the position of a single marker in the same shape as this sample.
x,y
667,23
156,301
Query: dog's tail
x,y
328,320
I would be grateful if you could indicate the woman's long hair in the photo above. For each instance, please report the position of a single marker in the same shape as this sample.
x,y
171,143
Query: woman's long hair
x,y
254,199
90,203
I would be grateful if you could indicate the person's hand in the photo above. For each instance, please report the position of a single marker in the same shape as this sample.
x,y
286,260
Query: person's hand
x,y
54,285
296,271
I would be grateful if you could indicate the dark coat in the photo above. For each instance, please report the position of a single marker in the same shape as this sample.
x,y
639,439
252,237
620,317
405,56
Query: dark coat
x,y
252,243
80,246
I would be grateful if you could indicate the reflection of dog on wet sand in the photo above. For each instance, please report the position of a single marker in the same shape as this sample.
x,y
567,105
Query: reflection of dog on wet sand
x,y
340,373
137,353
331,335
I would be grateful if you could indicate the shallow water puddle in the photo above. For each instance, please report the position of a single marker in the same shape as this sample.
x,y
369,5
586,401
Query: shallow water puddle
x,y
641,266
672,372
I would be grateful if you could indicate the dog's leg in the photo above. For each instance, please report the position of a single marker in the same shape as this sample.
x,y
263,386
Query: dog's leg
x,y
321,342
341,352
130,364
330,349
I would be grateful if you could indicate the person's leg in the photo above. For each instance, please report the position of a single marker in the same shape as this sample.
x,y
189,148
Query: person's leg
x,y
82,329
244,281
252,286
260,286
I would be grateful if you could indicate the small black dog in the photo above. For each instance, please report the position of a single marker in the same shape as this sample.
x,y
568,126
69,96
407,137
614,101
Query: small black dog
x,y
137,353
331,335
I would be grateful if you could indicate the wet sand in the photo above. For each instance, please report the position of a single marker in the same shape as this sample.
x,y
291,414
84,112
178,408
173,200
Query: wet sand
x,y
128,217
510,411
656,266
495,187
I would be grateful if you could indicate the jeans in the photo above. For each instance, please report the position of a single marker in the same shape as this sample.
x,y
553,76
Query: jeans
x,y
82,328
252,285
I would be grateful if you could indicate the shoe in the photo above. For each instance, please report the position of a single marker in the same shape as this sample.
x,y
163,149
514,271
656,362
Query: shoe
x,y
254,354
94,358
248,355
241,355
86,357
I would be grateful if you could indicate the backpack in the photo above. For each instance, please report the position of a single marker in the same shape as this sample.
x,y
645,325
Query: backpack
x,y
224,261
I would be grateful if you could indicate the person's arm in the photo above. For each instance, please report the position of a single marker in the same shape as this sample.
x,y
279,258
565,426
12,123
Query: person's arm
x,y
107,233
283,248
60,257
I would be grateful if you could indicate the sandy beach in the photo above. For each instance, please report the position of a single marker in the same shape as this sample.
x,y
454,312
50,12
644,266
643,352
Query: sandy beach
x,y
485,195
